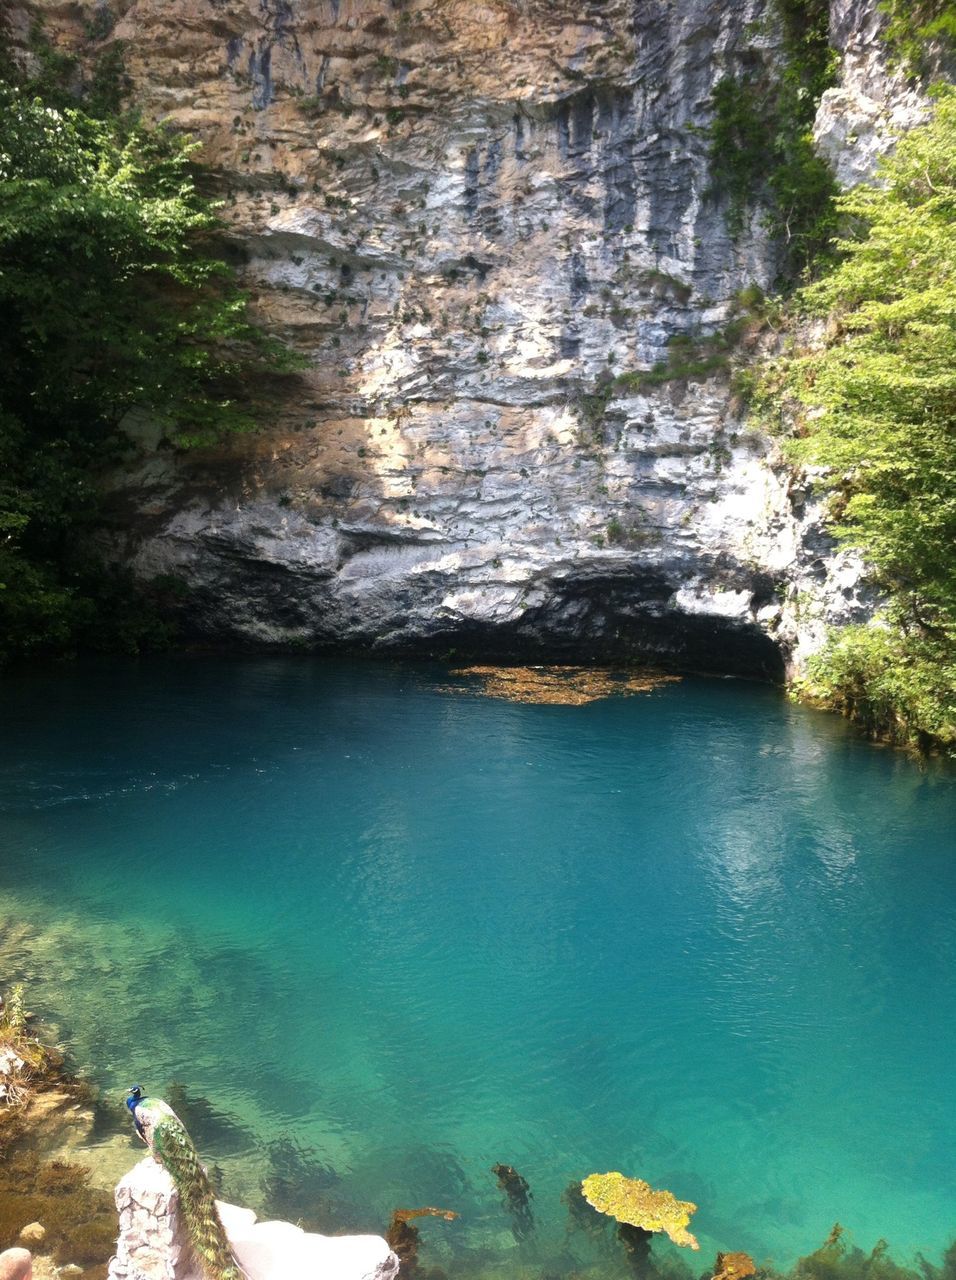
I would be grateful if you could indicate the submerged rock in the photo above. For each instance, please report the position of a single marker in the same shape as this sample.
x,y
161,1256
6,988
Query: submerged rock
x,y
153,1244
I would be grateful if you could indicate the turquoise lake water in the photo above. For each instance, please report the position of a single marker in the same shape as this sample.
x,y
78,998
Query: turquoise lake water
x,y
394,931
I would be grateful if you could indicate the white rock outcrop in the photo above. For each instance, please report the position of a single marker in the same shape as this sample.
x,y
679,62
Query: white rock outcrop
x,y
152,1243
859,119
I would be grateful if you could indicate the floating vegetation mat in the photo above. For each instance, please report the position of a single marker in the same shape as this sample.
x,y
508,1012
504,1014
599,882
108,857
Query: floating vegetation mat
x,y
558,686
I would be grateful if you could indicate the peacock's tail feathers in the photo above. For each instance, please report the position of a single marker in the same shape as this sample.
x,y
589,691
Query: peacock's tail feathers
x,y
173,1148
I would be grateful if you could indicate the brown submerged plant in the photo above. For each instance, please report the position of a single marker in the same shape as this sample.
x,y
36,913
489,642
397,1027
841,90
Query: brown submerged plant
x,y
636,1203
561,686
403,1238
406,1215
734,1266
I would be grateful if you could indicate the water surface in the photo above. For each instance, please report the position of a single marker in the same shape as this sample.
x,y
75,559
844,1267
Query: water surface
x,y
396,933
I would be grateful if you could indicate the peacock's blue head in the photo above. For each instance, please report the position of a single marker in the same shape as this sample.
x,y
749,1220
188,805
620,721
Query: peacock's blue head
x,y
135,1095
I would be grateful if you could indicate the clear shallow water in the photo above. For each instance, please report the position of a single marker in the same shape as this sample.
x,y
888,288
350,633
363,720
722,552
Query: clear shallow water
x,y
396,934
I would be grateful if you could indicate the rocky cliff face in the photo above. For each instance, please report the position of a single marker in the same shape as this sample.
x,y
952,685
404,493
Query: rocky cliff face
x,y
470,217
858,119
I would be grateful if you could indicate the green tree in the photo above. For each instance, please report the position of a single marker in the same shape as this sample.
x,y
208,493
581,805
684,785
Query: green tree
x,y
876,404
114,297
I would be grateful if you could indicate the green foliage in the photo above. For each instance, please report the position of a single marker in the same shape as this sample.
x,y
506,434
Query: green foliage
x,y
913,24
739,145
691,356
41,1062
882,387
876,403
688,357
900,686
761,146
114,297
62,81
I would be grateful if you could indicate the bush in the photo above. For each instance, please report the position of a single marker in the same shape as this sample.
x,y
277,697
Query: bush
x,y
898,687
912,25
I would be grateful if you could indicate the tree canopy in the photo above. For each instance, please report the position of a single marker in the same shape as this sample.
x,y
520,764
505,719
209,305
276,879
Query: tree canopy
x,y
115,297
875,399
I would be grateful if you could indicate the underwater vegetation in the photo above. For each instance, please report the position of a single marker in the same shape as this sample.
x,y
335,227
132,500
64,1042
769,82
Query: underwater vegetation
x,y
212,1130
581,1215
26,1063
518,1199
297,1177
611,1217
559,685
836,1259
80,1220
635,1203
734,1266
404,1239
641,1212
301,1187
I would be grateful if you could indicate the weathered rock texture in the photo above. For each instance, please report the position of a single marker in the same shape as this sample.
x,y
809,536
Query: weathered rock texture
x,y
153,1246
16,1264
468,216
859,119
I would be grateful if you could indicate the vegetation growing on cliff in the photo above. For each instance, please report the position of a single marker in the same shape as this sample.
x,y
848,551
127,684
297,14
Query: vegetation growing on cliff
x,y
761,146
115,298
875,403
913,25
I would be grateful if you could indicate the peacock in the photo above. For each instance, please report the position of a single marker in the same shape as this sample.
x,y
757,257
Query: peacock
x,y
165,1135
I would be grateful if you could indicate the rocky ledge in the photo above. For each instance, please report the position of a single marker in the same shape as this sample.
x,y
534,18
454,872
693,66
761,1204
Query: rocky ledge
x,y
45,1119
153,1246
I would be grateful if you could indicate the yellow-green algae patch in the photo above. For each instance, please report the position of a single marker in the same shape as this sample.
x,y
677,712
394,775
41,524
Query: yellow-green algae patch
x,y
635,1202
559,685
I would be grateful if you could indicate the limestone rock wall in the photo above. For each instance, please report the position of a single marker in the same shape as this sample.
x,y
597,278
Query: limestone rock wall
x,y
470,216
859,118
